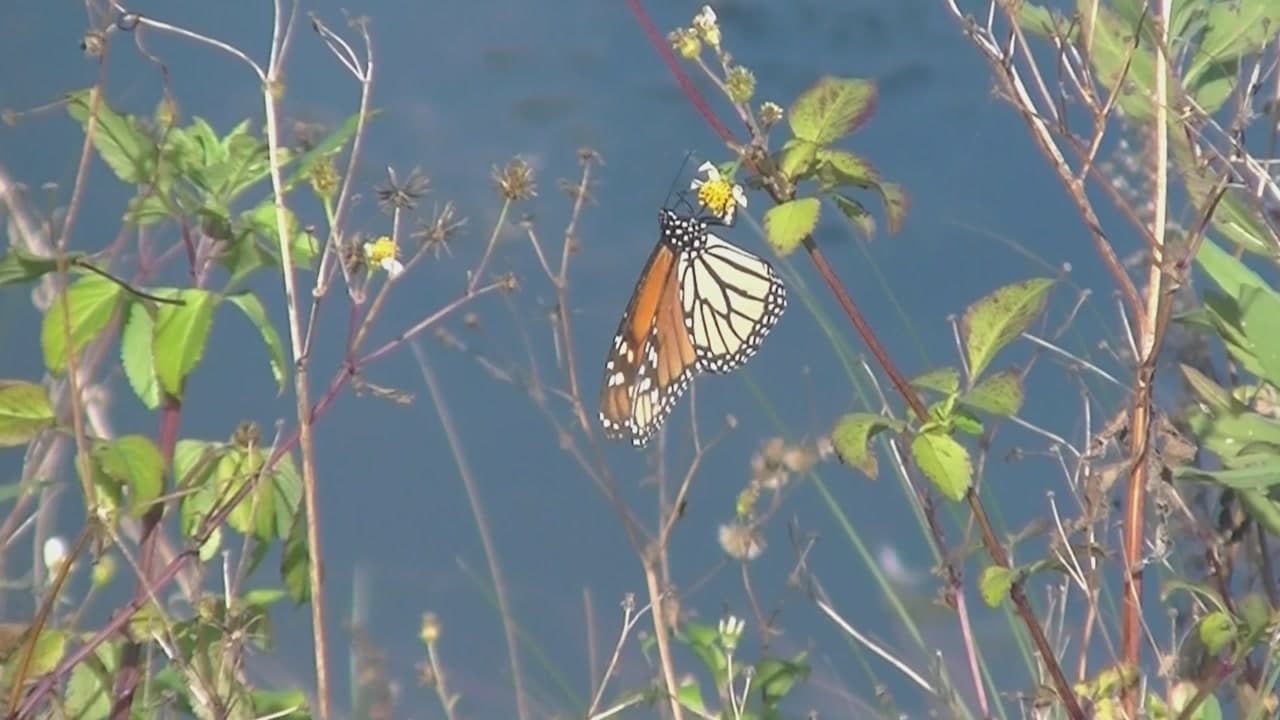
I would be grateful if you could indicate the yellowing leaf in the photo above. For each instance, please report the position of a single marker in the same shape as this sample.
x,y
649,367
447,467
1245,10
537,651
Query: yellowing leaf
x,y
999,394
994,584
831,108
786,225
851,436
998,319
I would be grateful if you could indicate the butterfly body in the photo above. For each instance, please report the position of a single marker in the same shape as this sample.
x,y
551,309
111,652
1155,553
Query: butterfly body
x,y
701,304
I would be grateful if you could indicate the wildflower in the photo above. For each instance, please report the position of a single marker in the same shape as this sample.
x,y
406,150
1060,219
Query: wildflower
x,y
718,194
706,26
770,114
382,253
730,630
686,43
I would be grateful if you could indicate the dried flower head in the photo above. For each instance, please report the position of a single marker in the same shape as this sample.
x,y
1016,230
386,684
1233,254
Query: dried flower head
x,y
436,234
515,180
740,84
324,178
740,542
396,195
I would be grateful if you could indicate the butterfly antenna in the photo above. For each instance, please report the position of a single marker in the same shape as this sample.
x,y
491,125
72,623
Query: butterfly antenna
x,y
681,196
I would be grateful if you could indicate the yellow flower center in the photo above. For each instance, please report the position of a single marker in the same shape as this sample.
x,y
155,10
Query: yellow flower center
x,y
716,196
384,248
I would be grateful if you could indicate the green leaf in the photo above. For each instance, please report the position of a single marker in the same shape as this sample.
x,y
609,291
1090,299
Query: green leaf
x,y
852,435
20,266
797,158
1260,321
776,678
257,314
1260,475
1000,394
1212,86
847,169
966,422
1260,507
690,696
1233,30
856,213
1036,20
50,646
1118,63
1216,631
944,461
1226,270
133,462
945,381
704,641
788,224
25,411
119,139
89,691
831,108
1224,425
295,563
92,303
136,356
994,584
998,319
262,220
180,335
148,208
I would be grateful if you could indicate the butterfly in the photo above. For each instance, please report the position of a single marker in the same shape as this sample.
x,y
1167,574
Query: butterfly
x,y
701,304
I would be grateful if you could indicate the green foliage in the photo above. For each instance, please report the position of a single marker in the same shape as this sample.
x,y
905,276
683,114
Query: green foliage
x,y
89,303
133,466
25,412
852,435
996,320
944,461
994,584
19,266
828,111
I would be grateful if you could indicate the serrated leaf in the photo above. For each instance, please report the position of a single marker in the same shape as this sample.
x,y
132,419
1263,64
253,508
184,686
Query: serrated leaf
x,y
25,411
942,380
994,584
148,208
20,266
856,213
831,108
119,139
797,158
180,335
91,301
136,356
945,462
132,462
851,439
998,319
1216,630
999,394
257,314
88,693
848,169
788,224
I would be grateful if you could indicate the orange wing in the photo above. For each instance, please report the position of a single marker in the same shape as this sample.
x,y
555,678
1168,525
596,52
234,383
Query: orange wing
x,y
652,360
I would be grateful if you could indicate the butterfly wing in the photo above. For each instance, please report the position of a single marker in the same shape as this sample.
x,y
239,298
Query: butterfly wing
x,y
731,299
652,359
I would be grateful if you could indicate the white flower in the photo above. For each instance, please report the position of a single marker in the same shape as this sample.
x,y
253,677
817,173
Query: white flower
x,y
382,252
705,24
717,194
54,553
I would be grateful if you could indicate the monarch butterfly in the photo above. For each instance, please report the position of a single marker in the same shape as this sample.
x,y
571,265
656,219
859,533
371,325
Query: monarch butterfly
x,y
701,304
